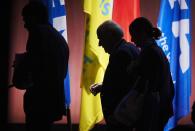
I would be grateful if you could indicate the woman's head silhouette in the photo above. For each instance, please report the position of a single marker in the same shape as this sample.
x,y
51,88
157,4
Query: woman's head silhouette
x,y
141,29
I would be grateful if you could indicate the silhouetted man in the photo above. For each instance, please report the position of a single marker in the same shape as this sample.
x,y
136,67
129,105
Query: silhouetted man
x,y
47,61
117,82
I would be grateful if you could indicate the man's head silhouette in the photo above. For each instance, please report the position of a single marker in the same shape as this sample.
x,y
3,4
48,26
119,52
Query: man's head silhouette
x,y
34,13
109,34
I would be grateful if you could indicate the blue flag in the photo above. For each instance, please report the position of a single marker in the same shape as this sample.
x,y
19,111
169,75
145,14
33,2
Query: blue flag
x,y
174,22
57,17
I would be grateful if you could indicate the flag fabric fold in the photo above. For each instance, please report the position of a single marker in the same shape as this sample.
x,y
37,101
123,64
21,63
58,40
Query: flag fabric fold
x,y
124,12
95,62
174,22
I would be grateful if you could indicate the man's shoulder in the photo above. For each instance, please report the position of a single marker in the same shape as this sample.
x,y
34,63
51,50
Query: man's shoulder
x,y
44,28
128,48
47,31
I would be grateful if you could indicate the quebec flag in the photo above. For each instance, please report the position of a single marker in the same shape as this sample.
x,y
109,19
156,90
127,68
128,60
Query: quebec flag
x,y
174,22
57,17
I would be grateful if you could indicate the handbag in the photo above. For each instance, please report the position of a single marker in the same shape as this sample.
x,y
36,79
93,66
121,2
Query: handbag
x,y
21,76
130,108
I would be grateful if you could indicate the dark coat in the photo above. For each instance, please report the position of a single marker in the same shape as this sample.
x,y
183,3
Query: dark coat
x,y
117,82
152,65
48,54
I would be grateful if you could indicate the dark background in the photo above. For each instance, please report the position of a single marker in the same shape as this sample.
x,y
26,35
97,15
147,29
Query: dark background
x,y
13,40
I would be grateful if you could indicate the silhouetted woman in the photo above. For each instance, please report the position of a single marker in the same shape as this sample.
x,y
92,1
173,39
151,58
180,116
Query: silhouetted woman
x,y
153,66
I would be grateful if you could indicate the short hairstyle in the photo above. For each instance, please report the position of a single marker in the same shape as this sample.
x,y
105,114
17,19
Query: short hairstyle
x,y
110,29
36,10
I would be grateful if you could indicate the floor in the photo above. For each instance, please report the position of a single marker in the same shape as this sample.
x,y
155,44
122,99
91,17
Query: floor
x,y
56,127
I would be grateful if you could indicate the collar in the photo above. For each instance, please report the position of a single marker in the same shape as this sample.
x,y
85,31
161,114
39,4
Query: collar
x,y
148,43
117,45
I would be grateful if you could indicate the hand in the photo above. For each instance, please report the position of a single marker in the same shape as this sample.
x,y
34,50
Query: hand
x,y
95,89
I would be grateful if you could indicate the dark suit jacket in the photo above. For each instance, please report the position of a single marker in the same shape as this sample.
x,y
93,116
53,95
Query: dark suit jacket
x,y
153,65
48,55
117,82
193,113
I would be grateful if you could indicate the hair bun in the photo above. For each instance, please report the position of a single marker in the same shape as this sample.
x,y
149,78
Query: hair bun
x,y
156,33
